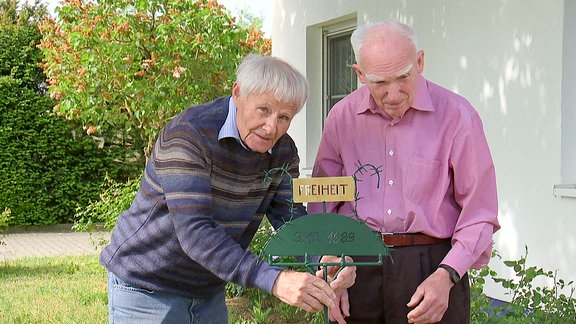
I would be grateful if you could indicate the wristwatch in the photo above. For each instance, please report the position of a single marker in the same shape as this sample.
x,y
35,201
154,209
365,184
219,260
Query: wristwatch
x,y
454,276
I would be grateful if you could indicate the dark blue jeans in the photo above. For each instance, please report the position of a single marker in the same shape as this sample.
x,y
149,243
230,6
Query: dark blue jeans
x,y
129,304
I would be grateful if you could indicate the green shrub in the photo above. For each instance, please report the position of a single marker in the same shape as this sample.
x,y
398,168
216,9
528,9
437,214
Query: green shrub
x,y
46,169
114,199
48,166
4,218
19,36
528,303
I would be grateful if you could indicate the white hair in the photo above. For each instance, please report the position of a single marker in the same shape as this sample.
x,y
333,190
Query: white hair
x,y
381,30
259,74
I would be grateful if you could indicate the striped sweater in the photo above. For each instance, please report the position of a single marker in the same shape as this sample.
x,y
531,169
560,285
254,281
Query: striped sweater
x,y
199,203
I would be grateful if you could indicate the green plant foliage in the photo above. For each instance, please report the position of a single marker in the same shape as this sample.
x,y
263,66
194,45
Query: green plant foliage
x,y
4,219
46,169
260,315
125,68
115,198
19,36
529,303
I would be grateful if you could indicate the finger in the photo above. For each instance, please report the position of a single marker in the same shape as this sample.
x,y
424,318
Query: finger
x,y
329,259
311,305
345,279
426,313
345,303
320,274
303,290
322,293
419,314
422,318
310,300
329,274
342,308
335,315
415,299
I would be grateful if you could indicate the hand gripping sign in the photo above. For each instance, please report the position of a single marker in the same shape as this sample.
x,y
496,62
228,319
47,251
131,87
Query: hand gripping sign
x,y
320,234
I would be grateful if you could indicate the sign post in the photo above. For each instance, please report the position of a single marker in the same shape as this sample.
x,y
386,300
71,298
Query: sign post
x,y
315,235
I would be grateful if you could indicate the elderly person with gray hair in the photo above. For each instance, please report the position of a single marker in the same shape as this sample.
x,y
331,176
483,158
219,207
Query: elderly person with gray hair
x,y
202,197
437,207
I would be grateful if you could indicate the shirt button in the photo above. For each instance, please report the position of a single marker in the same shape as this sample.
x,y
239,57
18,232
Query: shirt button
x,y
389,211
390,182
391,152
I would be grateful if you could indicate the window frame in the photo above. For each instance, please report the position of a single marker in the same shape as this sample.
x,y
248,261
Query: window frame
x,y
329,33
567,188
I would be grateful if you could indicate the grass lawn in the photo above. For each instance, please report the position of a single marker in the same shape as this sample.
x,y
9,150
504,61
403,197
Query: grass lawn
x,y
72,289
53,290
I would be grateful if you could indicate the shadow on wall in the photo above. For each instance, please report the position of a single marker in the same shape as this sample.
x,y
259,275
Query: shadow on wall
x,y
507,64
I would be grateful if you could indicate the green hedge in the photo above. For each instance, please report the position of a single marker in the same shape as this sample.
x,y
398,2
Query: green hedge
x,y
46,169
19,56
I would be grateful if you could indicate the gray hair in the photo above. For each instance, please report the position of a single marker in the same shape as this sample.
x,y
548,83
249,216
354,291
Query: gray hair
x,y
259,74
380,30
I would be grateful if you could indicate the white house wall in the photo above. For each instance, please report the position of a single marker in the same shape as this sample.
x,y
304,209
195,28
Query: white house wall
x,y
505,56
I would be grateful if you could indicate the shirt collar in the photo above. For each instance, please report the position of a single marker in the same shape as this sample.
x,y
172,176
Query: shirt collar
x,y
230,129
422,100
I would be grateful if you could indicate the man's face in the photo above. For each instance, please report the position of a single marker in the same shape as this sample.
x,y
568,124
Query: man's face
x,y
391,75
261,119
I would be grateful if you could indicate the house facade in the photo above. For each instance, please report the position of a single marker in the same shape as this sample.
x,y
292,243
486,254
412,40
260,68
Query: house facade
x,y
515,60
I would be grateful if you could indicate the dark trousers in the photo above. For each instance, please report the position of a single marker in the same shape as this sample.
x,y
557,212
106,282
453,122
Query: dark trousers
x,y
381,293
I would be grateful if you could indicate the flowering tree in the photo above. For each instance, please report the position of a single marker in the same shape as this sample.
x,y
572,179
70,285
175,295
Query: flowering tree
x,y
124,68
47,167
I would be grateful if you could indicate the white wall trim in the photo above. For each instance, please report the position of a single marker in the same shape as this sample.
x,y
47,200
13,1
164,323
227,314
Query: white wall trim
x,y
565,191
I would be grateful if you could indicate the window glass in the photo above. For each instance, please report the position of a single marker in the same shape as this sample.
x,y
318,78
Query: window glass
x,y
339,77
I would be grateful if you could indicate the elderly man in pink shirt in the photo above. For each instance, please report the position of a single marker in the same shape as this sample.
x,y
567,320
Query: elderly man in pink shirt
x,y
432,189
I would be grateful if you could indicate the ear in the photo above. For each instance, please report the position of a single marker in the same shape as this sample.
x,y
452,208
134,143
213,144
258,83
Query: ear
x,y
420,61
236,93
236,89
359,73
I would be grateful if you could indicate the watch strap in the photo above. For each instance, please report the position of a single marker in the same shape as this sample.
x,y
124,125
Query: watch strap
x,y
454,276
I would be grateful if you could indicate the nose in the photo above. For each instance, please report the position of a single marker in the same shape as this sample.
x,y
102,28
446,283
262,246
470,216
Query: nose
x,y
393,92
270,124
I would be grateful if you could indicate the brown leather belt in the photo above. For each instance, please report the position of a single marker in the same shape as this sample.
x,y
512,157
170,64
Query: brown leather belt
x,y
394,239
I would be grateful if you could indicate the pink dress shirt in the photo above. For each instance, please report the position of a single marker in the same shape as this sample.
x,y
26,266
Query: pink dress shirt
x,y
429,172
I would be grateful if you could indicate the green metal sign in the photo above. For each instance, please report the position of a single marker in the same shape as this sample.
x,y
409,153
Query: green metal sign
x,y
325,234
